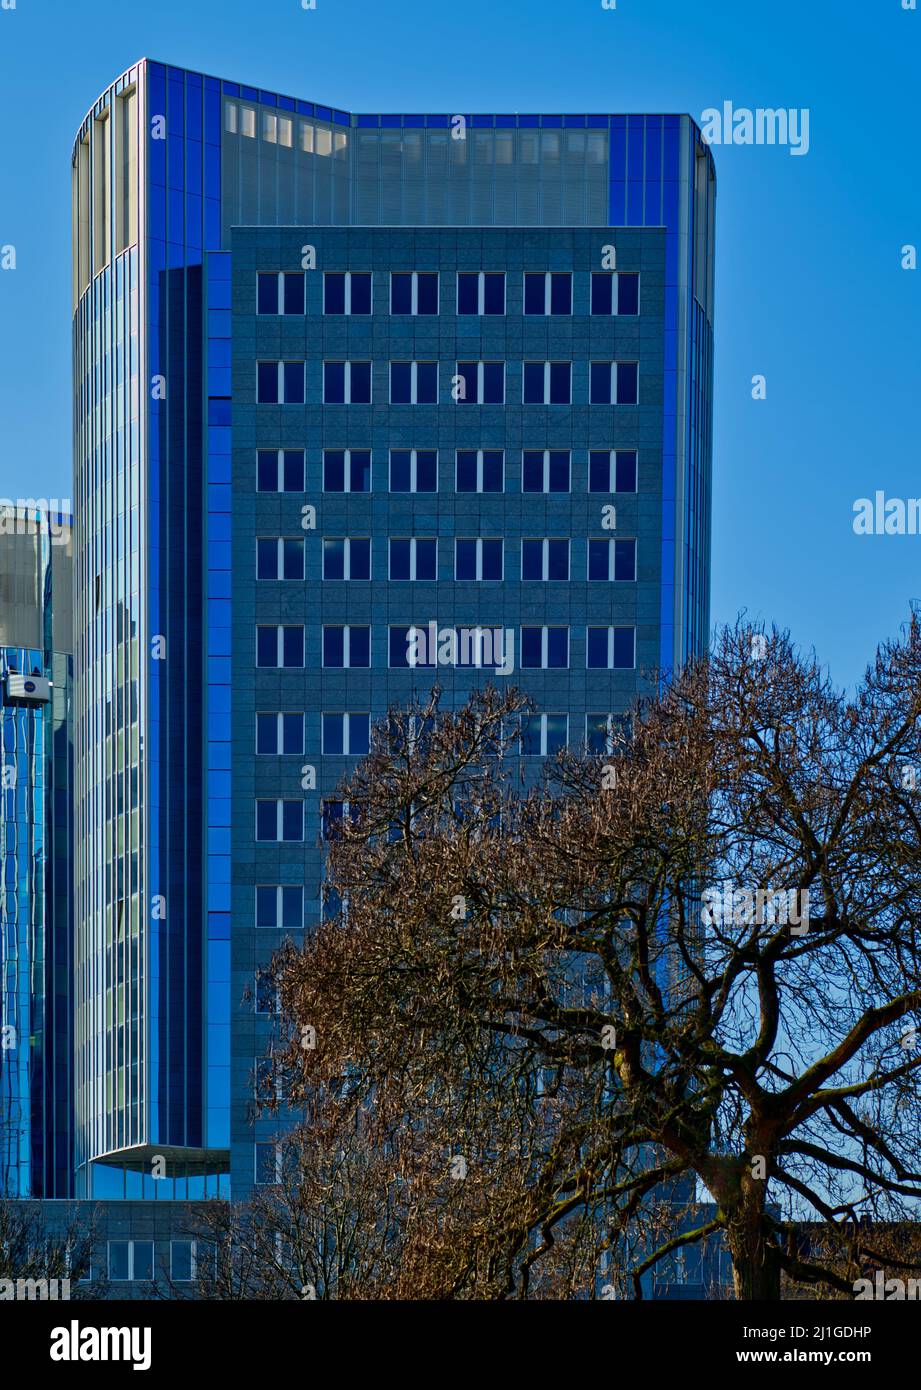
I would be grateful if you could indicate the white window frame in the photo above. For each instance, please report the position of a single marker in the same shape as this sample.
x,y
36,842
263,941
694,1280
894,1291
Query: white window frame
x,y
280,311
481,364
280,802
479,470
279,716
611,542
414,380
347,558
612,470
551,362
413,473
414,291
545,558
278,900
545,490
348,292
346,716
280,472
347,363
547,292
478,578
346,646
280,629
545,629
412,558
280,368
347,470
132,1277
615,627
280,561
543,717
615,292
481,291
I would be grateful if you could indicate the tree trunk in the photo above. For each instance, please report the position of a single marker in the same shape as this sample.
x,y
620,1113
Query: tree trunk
x,y
755,1266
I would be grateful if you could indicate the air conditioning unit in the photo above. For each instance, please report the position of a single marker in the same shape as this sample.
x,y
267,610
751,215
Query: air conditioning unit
x,y
32,690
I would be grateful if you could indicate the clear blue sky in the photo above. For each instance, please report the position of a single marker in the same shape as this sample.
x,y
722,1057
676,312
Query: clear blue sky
x,y
809,286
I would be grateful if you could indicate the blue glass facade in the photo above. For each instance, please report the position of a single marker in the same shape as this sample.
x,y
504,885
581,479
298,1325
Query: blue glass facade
x,y
340,377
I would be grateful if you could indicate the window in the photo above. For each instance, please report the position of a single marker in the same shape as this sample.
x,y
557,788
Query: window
x,y
280,906
545,470
478,558
604,732
347,292
480,383
182,1260
548,293
279,820
612,470
610,648
413,383
545,559
280,293
346,383
542,735
544,648
614,383
346,734
266,994
280,734
409,646
334,813
547,383
413,470
280,383
481,292
413,558
346,470
414,293
612,560
346,646
480,470
280,557
617,293
279,646
131,1259
280,470
346,557
267,1164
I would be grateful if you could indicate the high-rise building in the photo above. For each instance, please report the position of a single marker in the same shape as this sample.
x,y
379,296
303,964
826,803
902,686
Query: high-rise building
x,y
36,845
349,389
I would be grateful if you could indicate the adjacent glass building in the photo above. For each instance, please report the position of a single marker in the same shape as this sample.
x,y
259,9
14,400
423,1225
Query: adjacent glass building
x,y
361,401
36,845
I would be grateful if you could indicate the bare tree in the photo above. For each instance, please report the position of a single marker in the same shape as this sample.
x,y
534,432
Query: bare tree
x,y
35,1252
687,966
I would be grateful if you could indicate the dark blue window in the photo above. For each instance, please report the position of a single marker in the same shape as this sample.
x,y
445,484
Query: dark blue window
x,y
266,646
426,470
557,647
401,390
360,293
400,553
292,820
427,558
334,470
557,559
266,559
468,293
294,294
561,294
266,733
467,371
334,646
267,470
334,383
598,559
534,293
401,470
628,294
334,558
596,649
493,470
267,383
292,646
532,559
267,295
600,389
531,648
492,558
466,470
465,559
360,558
292,907
266,907
624,471
333,293
624,656
493,383
294,383
558,471
401,294
602,293
360,646
494,293
427,294
360,383
333,733
266,820
625,560
560,383
293,470
627,383
359,733
533,383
